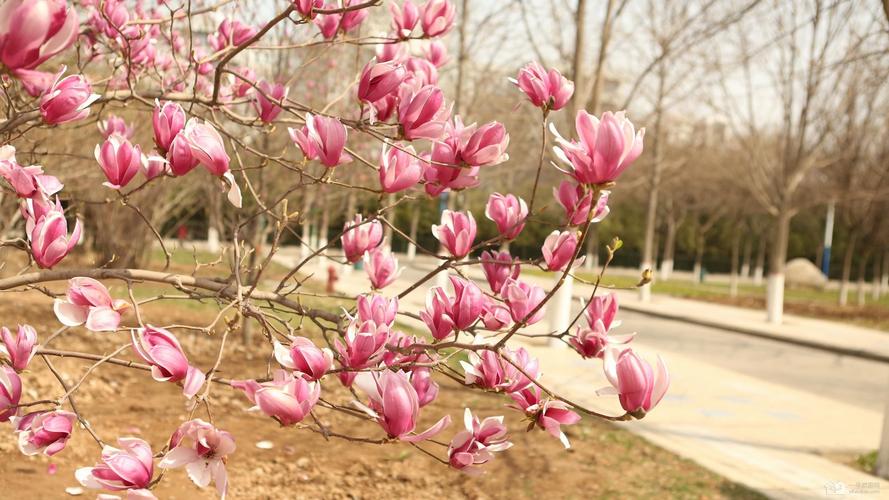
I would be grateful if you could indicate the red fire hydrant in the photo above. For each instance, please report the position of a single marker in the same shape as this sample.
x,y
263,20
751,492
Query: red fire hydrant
x,y
331,278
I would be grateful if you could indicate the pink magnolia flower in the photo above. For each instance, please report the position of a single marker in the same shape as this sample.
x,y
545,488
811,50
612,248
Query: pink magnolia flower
x,y
466,306
10,393
353,18
398,352
456,232
204,456
394,52
359,237
591,342
399,168
639,387
437,314
508,212
306,7
18,350
27,182
421,113
323,139
550,415
328,24
47,231
377,308
477,443
523,298
489,370
486,146
304,357
266,108
495,315
395,405
182,161
384,108
67,100
575,199
379,79
421,381
44,432
420,73
231,33
362,346
559,249
499,267
545,89
606,147
129,467
88,301
404,18
155,166
381,267
438,17
241,86
168,119
286,398
32,31
208,149
602,308
161,349
34,82
114,125
437,54
120,161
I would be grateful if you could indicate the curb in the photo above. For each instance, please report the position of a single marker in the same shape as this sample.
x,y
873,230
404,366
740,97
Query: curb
x,y
845,351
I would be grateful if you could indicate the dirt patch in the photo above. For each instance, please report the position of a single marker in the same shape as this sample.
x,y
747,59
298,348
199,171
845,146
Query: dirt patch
x,y
605,461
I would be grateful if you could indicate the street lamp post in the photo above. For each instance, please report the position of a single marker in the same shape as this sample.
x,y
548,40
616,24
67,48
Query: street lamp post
x,y
828,239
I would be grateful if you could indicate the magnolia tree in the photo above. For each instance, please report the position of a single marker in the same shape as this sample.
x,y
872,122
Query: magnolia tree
x,y
202,109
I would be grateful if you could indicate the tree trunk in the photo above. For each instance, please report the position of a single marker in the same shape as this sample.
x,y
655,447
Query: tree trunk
x,y
760,261
745,260
862,272
875,279
847,267
777,259
700,241
577,102
736,250
669,250
214,223
654,184
884,280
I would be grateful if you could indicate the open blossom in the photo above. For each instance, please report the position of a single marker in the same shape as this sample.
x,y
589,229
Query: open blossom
x,y
508,212
499,267
550,414
47,232
88,301
34,82
545,89
268,109
438,17
208,149
399,168
201,448
167,120
379,79
18,349
161,349
591,342
639,386
477,443
32,31
559,249
602,308
115,125
421,381
155,166
377,308
129,467
495,315
10,393
27,182
486,146
359,237
381,267
437,54
437,314
404,18
522,298
120,161
395,405
456,232
323,138
605,149
466,306
67,100
231,33
306,7
489,370
286,398
361,346
397,352
421,113
304,357
420,73
577,201
242,81
44,432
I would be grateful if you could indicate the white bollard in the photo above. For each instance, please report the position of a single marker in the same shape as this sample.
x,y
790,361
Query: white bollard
x,y
212,240
775,299
560,309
